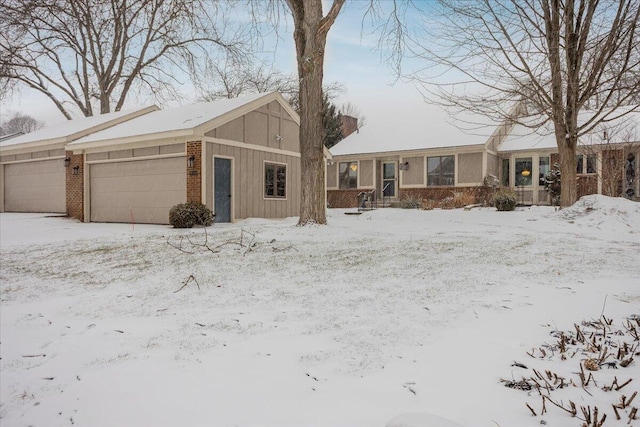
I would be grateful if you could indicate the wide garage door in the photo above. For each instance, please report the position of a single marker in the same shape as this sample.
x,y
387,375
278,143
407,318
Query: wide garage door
x,y
35,187
137,191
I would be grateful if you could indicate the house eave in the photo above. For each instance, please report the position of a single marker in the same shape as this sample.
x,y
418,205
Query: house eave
x,y
120,143
413,152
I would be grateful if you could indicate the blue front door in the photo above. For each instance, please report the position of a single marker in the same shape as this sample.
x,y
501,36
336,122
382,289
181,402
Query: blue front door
x,y
222,189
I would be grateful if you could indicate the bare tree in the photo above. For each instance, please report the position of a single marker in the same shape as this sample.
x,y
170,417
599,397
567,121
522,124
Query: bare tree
x,y
555,57
20,123
311,27
230,79
91,54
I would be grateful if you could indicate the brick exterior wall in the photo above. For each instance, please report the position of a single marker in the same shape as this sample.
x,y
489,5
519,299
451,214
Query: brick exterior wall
x,y
194,174
75,186
587,184
343,198
612,167
441,193
349,198
348,125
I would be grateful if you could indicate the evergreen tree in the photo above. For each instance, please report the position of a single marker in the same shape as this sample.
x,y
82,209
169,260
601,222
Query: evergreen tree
x,y
332,123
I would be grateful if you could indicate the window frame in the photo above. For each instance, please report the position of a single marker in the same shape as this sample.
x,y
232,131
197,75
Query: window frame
x,y
523,181
275,185
442,176
505,178
586,164
542,175
591,165
351,177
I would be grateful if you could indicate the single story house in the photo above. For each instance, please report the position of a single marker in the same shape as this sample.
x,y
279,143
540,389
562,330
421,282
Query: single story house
x,y
426,156
240,157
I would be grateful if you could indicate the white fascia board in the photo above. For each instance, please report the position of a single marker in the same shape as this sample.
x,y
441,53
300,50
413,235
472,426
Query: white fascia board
x,y
414,153
30,147
159,138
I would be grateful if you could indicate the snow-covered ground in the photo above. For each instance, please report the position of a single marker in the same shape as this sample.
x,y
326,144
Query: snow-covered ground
x,y
403,315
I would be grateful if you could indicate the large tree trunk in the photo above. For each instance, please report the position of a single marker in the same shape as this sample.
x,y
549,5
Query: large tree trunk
x,y
310,35
564,109
568,177
310,72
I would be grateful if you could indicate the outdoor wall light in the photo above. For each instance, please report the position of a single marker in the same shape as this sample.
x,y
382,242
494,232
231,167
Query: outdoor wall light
x,y
67,162
191,161
405,166
76,170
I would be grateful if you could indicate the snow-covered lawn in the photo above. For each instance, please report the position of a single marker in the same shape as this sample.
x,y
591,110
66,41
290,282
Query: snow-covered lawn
x,y
369,318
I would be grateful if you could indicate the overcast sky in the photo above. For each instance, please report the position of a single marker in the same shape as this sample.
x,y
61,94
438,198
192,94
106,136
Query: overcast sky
x,y
350,58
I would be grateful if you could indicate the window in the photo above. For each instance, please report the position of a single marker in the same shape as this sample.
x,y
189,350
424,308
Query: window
x,y
275,181
505,173
440,170
348,172
591,162
579,163
543,169
523,171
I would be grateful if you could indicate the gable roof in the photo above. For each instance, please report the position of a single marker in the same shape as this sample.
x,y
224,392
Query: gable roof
x,y
189,120
423,128
625,128
67,131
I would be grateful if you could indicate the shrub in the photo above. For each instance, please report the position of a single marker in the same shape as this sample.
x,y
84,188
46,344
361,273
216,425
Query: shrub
x,y
411,202
447,203
429,204
462,199
186,215
505,200
552,183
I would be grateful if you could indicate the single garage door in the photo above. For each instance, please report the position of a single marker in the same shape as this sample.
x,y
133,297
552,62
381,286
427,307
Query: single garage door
x,y
35,187
137,191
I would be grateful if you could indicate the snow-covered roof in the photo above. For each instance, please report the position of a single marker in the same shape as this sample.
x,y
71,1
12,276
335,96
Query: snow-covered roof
x,y
422,128
10,135
624,127
69,130
176,121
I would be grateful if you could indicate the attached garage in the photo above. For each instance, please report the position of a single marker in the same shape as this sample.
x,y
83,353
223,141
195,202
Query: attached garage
x,y
36,172
138,170
37,186
138,191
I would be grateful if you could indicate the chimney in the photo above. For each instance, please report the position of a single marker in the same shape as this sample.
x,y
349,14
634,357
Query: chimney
x,y
349,125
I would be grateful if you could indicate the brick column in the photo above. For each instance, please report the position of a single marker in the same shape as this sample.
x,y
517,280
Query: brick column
x,y
75,185
194,174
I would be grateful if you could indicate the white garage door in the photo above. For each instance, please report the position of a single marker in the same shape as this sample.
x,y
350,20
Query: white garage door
x,y
35,187
137,191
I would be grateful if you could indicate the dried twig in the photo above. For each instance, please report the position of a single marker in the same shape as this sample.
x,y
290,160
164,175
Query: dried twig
x,y
189,279
531,409
618,388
